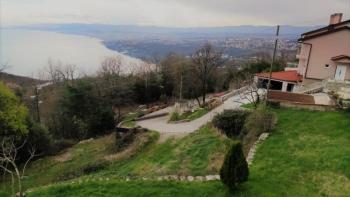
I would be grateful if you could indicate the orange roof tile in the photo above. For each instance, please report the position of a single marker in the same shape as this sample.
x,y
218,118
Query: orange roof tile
x,y
291,76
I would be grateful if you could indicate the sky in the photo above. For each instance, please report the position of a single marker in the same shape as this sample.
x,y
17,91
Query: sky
x,y
172,13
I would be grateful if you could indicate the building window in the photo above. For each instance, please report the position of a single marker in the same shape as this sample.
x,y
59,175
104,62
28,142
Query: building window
x,y
327,66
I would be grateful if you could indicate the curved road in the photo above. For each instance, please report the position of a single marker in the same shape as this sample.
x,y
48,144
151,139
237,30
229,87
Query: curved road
x,y
161,124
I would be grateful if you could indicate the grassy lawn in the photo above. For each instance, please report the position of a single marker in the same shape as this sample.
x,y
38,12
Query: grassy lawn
x,y
136,189
199,153
129,120
81,159
189,116
307,155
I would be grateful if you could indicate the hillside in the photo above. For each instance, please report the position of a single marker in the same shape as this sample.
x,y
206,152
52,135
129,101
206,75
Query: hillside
x,y
199,153
18,81
115,32
307,155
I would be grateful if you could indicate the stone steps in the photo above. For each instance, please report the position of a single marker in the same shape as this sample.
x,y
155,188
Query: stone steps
x,y
310,88
252,150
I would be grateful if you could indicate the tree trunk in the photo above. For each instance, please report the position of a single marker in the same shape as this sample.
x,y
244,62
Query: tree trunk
x,y
198,101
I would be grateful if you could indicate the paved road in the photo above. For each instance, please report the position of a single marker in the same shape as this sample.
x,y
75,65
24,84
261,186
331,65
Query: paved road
x,y
161,124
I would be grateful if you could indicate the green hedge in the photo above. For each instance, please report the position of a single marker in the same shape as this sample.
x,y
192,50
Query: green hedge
x,y
231,122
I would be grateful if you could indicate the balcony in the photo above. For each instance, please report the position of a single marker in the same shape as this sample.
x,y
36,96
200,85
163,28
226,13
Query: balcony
x,y
301,56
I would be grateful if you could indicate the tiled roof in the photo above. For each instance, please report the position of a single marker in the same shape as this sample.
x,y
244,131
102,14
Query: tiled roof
x,y
291,76
326,28
345,25
339,57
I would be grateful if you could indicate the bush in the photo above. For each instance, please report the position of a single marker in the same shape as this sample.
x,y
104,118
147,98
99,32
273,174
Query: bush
x,y
60,145
231,122
260,121
175,116
235,168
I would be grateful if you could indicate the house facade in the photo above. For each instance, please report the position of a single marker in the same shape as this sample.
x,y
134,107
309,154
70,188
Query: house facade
x,y
325,52
324,55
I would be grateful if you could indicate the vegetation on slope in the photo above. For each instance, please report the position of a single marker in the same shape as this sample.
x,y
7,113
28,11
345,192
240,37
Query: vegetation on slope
x,y
307,155
84,158
199,153
189,116
135,189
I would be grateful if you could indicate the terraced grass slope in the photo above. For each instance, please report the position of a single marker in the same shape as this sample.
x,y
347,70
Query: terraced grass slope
x,y
199,153
136,189
307,155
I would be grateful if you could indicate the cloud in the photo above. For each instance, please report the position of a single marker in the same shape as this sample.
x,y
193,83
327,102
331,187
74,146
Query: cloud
x,y
172,12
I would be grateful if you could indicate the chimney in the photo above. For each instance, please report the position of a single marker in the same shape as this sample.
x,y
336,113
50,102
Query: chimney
x,y
336,18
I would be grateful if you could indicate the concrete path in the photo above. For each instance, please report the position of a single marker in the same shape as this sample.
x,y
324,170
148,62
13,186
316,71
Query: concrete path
x,y
161,124
323,99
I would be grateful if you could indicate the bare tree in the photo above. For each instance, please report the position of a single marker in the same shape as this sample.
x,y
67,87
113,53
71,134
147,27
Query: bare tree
x,y
57,72
114,88
111,67
250,90
206,60
8,161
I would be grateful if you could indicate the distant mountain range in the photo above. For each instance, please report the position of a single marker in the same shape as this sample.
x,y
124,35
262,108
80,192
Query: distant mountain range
x,y
117,32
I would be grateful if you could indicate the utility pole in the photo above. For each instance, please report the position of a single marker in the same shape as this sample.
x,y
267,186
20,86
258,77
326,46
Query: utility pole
x,y
181,87
37,104
272,62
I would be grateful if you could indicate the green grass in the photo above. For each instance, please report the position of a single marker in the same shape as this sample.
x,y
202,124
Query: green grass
x,y
307,155
129,124
135,189
129,120
189,116
81,159
248,105
199,153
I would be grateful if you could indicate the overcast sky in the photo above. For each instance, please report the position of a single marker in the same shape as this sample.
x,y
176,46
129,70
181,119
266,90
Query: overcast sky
x,y
173,13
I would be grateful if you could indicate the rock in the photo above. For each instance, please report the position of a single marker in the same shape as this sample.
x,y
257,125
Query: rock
x,y
174,177
210,177
199,178
190,178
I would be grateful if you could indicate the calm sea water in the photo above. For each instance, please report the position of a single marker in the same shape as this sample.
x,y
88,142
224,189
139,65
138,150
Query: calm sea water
x,y
27,52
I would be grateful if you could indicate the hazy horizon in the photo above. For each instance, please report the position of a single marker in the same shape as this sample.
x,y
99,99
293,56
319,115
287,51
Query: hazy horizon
x,y
28,52
167,13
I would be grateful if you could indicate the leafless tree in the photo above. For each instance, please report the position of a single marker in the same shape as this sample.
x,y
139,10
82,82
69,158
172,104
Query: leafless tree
x,y
206,60
250,90
111,68
8,162
112,86
58,72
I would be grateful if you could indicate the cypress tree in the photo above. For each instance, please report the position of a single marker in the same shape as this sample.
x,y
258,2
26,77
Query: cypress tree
x,y
235,168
